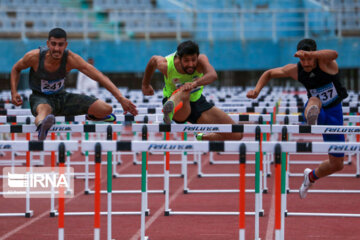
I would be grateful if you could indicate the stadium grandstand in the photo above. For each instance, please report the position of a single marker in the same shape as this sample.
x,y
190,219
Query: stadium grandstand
x,y
121,35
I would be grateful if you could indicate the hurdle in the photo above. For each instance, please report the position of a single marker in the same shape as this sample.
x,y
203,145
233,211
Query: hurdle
x,y
67,128
61,207
242,165
316,129
231,146
202,128
263,164
97,192
350,119
251,128
145,146
317,147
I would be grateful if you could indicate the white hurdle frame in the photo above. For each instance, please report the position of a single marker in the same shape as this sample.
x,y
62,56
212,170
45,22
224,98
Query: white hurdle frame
x,y
205,146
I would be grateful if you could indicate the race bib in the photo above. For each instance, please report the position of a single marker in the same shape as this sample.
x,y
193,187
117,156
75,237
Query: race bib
x,y
51,87
327,94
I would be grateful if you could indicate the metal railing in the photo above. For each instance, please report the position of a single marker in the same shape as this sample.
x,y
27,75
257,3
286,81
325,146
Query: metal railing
x,y
202,25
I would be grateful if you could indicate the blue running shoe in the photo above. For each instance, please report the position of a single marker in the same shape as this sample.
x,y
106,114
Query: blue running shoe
x,y
44,127
109,118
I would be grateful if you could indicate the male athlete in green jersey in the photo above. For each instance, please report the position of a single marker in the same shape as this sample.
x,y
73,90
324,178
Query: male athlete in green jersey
x,y
186,72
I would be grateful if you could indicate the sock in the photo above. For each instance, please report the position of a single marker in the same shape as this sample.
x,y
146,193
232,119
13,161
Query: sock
x,y
312,176
178,107
38,125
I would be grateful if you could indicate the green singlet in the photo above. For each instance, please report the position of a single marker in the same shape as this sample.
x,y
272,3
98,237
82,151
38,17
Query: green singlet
x,y
175,79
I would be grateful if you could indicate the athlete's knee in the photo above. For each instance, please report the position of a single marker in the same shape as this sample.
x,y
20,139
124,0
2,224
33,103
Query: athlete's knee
x,y
184,94
314,100
108,109
43,108
338,166
100,109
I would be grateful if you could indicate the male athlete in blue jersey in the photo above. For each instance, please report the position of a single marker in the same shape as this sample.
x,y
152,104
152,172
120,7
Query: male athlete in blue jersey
x,y
319,73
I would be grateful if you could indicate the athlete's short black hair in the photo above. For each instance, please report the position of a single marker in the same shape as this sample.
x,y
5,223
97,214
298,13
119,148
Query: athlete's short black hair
x,y
57,33
307,44
187,48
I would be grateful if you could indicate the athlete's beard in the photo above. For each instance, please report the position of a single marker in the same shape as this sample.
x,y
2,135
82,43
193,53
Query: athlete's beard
x,y
52,53
309,68
186,71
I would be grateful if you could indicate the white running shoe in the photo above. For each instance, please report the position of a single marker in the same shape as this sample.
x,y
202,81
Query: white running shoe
x,y
306,184
312,115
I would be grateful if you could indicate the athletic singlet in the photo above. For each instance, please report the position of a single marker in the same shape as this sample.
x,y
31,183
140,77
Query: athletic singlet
x,y
175,80
322,85
48,82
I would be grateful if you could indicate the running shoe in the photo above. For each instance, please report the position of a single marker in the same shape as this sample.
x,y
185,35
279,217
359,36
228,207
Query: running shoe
x,y
168,110
109,118
199,136
312,115
44,127
306,184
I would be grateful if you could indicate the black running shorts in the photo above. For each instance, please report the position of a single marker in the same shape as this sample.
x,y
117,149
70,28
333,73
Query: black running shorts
x,y
63,103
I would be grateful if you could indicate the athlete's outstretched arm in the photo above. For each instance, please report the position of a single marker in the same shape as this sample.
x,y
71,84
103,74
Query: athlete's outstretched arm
x,y
322,55
77,62
155,62
24,63
289,70
325,58
210,74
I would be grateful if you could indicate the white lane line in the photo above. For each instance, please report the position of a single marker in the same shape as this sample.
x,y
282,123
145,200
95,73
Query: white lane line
x,y
271,221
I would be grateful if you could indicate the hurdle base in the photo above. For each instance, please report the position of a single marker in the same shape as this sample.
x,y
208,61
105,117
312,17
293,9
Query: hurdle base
x,y
53,214
199,175
186,191
265,190
29,214
87,192
358,175
167,213
147,212
261,213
